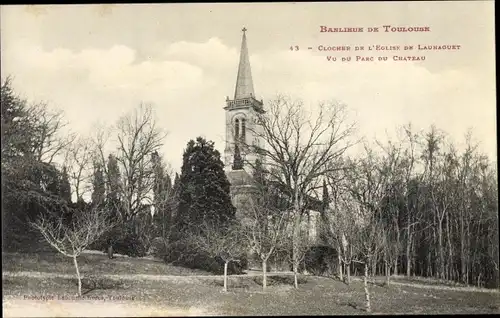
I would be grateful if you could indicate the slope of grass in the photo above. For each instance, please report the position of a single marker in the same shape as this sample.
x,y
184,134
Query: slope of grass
x,y
202,294
93,263
316,296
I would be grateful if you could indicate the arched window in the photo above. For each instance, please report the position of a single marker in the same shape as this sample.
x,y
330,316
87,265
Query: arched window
x,y
243,130
236,129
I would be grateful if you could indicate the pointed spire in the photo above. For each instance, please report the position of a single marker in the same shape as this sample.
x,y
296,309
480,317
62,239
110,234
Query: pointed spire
x,y
244,83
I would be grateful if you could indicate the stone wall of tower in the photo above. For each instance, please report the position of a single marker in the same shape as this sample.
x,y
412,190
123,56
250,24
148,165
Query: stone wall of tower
x,y
240,196
252,130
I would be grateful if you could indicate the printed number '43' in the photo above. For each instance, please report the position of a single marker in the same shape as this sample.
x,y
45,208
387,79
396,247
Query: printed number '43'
x,y
294,48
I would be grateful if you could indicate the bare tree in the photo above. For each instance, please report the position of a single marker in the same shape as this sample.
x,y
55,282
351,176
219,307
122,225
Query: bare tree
x,y
265,231
412,191
339,218
303,245
131,183
367,187
79,164
390,250
224,242
299,147
370,241
390,165
100,142
72,239
341,231
138,138
50,141
344,224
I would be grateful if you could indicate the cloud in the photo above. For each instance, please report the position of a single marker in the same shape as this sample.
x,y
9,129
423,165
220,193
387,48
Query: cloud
x,y
212,54
187,82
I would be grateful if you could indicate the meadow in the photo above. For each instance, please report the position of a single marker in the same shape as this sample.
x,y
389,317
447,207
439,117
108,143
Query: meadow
x,y
44,285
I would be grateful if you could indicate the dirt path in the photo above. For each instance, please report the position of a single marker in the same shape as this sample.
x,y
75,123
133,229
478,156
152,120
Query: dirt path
x,y
58,308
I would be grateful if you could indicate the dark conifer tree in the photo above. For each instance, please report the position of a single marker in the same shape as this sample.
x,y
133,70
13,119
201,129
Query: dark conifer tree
x,y
162,198
113,185
113,203
203,186
64,186
99,186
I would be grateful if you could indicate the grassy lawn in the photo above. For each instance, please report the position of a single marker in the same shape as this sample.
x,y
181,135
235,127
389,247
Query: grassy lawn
x,y
316,296
97,263
184,295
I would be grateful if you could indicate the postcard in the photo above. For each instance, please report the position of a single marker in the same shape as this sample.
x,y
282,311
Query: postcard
x,y
286,158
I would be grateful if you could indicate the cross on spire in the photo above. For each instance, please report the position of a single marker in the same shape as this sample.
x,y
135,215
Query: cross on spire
x,y
244,29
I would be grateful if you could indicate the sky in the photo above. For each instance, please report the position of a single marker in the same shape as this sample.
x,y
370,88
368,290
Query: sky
x,y
98,62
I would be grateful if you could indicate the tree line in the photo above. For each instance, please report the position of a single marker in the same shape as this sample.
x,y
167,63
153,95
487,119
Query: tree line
x,y
414,205
433,209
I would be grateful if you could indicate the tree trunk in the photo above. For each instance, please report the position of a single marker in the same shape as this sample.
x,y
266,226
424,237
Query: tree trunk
x,y
225,276
78,276
441,254
435,248
341,270
110,251
468,260
387,273
295,250
367,292
450,250
397,251
408,241
374,265
462,249
348,269
428,262
295,280
463,267
408,253
264,277
163,222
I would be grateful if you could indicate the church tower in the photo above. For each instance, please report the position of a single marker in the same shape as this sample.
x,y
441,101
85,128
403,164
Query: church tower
x,y
241,115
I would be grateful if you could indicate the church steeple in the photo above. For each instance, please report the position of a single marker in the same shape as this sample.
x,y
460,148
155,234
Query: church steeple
x,y
244,82
242,113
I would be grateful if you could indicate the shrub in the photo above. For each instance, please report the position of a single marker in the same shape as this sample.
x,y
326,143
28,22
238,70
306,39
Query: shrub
x,y
157,248
183,254
321,260
280,280
130,244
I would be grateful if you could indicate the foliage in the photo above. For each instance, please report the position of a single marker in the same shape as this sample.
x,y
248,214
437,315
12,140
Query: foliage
x,y
98,186
64,186
203,186
185,254
129,243
320,259
31,139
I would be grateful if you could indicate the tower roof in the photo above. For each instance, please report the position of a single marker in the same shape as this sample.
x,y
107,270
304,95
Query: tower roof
x,y
244,83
